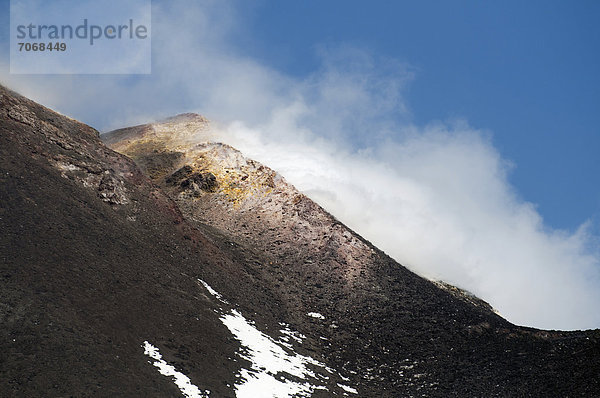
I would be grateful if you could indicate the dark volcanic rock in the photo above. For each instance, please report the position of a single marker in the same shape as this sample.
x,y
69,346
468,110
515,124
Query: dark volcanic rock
x,y
198,182
93,262
180,175
189,180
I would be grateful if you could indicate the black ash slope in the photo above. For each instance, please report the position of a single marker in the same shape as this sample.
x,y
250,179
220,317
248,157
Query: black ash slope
x,y
93,262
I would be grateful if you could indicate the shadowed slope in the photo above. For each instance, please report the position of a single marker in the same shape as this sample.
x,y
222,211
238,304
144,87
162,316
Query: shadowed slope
x,y
93,262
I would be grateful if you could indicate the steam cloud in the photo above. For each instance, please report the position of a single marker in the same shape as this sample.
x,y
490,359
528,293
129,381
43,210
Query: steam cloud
x,y
434,197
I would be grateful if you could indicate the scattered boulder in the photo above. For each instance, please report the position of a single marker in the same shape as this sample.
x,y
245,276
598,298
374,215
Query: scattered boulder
x,y
111,191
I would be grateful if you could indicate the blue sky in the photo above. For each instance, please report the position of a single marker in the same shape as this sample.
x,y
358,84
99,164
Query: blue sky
x,y
461,137
526,71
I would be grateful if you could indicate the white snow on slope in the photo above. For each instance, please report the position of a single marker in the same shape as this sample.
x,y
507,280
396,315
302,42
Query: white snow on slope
x,y
276,371
347,388
182,381
271,363
212,291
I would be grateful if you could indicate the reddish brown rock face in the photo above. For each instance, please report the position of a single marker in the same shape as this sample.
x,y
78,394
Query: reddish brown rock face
x,y
109,259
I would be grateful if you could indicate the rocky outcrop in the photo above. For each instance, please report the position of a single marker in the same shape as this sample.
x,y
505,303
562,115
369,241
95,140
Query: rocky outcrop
x,y
187,180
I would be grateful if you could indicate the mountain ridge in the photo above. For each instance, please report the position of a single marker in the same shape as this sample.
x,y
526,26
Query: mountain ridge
x,y
101,254
207,209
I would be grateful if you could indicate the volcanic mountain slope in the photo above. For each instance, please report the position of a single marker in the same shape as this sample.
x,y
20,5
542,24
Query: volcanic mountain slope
x,y
243,284
395,333
95,260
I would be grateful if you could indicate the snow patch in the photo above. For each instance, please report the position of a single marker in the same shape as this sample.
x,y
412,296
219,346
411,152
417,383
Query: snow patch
x,y
275,371
211,290
272,362
347,388
182,381
315,315
289,334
